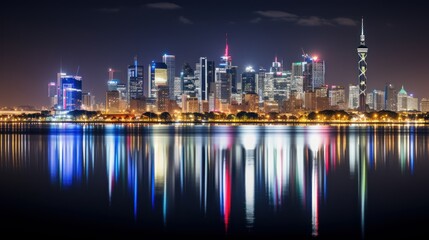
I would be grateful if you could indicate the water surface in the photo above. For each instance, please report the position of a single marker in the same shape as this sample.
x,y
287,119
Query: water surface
x,y
301,181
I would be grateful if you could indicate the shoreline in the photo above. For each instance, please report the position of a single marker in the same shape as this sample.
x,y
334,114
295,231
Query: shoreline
x,y
222,122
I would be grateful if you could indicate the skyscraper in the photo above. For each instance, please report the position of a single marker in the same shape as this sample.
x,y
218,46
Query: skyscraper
x,y
362,51
170,61
249,81
52,94
158,76
206,77
314,73
353,97
223,79
135,82
390,98
69,92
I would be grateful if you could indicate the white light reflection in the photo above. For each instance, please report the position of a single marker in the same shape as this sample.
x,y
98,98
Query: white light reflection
x,y
315,140
249,140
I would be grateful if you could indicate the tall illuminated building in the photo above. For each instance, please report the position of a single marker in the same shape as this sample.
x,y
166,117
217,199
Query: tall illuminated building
x,y
314,73
261,83
158,76
88,101
223,79
206,75
362,51
249,81
353,97
390,98
297,78
135,82
337,98
69,92
52,93
170,61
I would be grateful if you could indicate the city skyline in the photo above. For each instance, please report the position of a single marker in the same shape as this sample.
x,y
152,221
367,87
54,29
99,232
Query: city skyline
x,y
98,39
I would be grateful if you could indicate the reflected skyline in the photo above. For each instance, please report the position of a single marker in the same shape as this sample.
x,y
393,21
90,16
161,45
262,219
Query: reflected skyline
x,y
236,176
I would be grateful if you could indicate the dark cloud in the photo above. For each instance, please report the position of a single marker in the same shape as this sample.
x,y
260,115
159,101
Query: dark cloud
x,y
344,21
164,6
277,15
185,20
313,21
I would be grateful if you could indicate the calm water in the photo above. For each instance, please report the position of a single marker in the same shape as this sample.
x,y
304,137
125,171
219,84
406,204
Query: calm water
x,y
301,181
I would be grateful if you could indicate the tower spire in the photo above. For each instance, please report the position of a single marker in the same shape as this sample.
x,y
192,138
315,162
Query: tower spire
x,y
226,45
362,35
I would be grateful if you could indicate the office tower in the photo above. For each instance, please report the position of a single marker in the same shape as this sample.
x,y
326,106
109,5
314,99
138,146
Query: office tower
x,y
112,101
353,97
52,94
69,92
378,100
234,79
402,100
337,98
206,76
112,85
223,78
362,51
297,78
390,98
314,73
249,81
158,76
135,82
261,83
163,98
406,102
412,103
223,85
88,101
178,88
424,105
170,61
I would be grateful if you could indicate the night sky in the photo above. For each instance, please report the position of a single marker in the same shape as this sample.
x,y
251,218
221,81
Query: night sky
x,y
37,38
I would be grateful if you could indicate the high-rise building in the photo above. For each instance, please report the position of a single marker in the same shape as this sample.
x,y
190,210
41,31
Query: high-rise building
x,y
158,76
135,82
261,83
170,61
112,85
406,102
52,94
314,73
235,87
69,92
402,99
88,101
362,51
424,105
297,78
337,97
223,78
206,77
249,81
378,100
163,99
223,85
353,97
390,98
112,101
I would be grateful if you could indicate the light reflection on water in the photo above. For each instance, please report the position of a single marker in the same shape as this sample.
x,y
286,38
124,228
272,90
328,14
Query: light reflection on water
x,y
238,175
